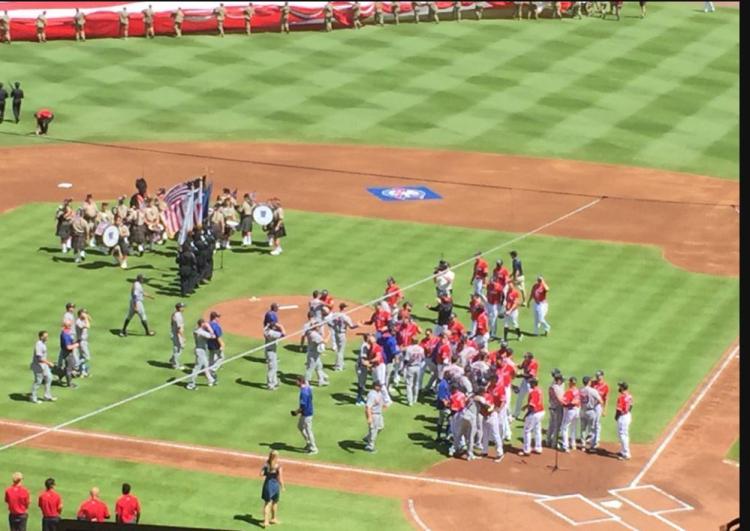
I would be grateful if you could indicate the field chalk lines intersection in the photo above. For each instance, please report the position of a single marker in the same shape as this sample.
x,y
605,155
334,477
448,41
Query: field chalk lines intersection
x,y
175,381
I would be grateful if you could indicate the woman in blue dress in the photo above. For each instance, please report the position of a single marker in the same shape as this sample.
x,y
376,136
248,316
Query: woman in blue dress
x,y
272,487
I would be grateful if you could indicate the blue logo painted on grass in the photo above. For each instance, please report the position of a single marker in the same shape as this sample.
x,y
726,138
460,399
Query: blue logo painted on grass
x,y
404,193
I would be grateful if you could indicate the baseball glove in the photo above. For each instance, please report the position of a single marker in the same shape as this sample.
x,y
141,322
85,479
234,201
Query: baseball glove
x,y
515,388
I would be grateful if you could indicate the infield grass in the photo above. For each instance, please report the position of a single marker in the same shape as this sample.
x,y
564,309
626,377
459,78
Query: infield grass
x,y
176,497
734,452
620,308
660,92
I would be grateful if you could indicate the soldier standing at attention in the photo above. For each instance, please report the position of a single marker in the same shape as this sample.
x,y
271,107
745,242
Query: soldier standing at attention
x,y
201,335
179,17
395,9
433,10
478,10
220,13
415,8
328,16
124,23
247,15
379,17
17,96
42,369
356,14
305,412
3,97
41,27
148,21
457,11
187,264
136,307
272,333
177,326
285,17
5,28
79,22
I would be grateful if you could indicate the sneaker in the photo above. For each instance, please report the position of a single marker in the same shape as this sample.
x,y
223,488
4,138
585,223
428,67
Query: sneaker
x,y
34,400
539,452
190,387
520,338
122,333
470,457
312,451
212,384
523,454
51,399
73,385
621,457
499,458
370,449
150,333
124,265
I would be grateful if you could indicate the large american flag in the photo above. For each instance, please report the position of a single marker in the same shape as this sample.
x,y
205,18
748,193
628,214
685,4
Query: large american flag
x,y
177,199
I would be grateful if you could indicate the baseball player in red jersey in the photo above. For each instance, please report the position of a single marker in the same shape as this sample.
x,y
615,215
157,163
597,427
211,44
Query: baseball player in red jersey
x,y
404,311
455,329
393,294
380,318
495,300
428,343
512,303
502,275
571,413
539,298
506,373
529,369
475,302
494,397
601,386
481,328
375,359
532,424
479,275
622,416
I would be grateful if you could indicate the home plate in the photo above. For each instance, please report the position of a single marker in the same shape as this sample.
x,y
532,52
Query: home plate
x,y
611,504
65,185
289,307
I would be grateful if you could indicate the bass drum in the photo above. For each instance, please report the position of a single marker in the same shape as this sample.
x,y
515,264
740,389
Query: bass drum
x,y
262,215
111,236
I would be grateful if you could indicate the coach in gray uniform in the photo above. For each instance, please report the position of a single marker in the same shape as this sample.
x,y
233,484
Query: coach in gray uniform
x,y
590,400
177,327
201,334
42,369
136,307
466,428
555,395
413,367
377,402
272,333
339,323
315,347
82,325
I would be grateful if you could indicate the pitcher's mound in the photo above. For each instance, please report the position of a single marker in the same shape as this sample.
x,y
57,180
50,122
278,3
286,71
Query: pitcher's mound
x,y
245,316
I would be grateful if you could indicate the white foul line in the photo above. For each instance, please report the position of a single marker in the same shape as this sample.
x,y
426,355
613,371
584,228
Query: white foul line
x,y
256,457
684,417
416,517
288,336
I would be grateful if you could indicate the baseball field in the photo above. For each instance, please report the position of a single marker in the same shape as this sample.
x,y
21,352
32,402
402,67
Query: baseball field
x,y
605,152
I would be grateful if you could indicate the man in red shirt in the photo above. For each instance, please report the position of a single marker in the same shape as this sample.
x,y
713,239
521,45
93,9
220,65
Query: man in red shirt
x,y
428,343
393,294
529,370
375,359
622,416
43,119
479,276
456,404
380,318
17,498
127,507
571,413
490,401
501,274
444,354
532,424
455,329
50,503
539,297
495,300
482,328
93,509
601,386
512,302
506,373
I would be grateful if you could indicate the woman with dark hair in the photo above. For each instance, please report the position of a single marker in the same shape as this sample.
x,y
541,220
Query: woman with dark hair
x,y
272,487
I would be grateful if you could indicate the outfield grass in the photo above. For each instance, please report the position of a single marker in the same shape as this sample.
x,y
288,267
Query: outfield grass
x,y
176,497
621,308
661,92
734,451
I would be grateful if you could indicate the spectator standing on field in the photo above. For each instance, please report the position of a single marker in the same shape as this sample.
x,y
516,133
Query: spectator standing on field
x,y
51,506
17,498
127,507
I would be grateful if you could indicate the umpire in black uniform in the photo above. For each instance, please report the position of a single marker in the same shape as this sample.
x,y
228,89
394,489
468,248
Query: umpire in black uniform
x,y
17,96
3,97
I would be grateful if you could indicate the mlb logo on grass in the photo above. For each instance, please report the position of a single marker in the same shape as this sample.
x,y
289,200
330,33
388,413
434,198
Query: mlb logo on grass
x,y
404,193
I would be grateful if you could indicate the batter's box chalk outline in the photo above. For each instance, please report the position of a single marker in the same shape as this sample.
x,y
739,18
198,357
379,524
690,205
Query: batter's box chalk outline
x,y
682,505
611,517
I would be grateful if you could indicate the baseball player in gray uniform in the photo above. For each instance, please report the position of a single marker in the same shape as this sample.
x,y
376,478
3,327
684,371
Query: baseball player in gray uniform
x,y
413,367
177,329
82,325
315,347
42,369
272,333
339,323
465,428
377,402
590,399
201,335
137,294
555,407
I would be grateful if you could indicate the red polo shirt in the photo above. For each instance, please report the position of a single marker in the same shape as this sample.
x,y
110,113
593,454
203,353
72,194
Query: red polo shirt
x,y
93,511
50,503
394,294
44,113
17,498
536,401
127,508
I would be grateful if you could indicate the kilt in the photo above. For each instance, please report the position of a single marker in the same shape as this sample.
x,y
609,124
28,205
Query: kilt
x,y
246,224
65,230
138,234
279,232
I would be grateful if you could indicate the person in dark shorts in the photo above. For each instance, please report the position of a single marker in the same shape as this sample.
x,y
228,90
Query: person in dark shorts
x,y
272,487
277,228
